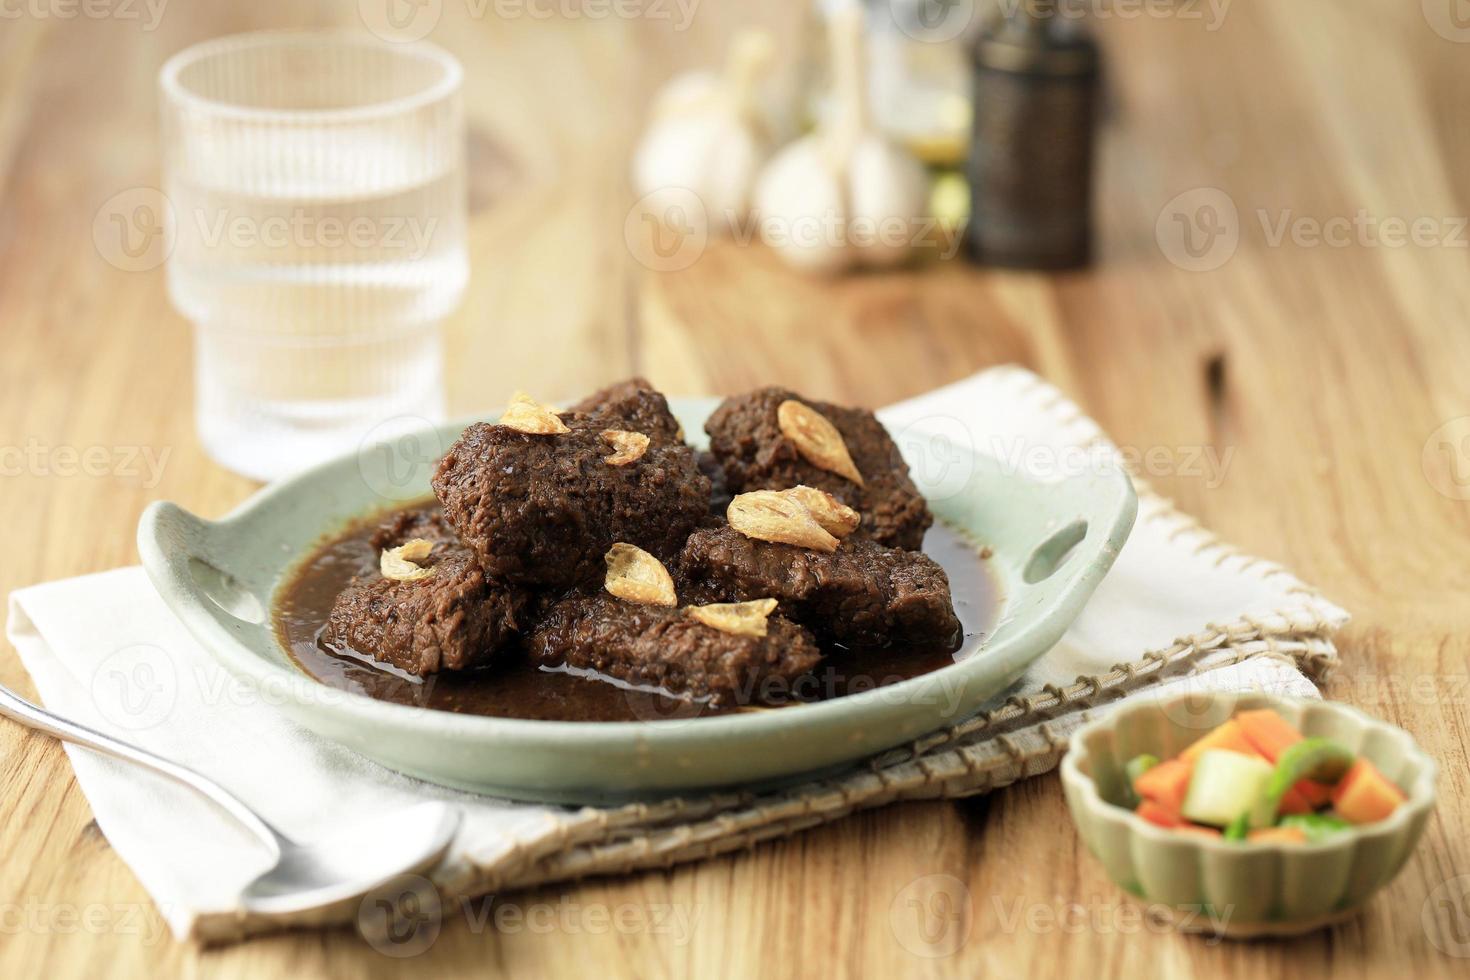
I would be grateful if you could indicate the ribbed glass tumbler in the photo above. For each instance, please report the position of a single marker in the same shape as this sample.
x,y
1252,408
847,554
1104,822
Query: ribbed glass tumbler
x,y
317,194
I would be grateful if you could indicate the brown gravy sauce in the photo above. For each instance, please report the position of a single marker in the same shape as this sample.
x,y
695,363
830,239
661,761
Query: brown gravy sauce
x,y
517,688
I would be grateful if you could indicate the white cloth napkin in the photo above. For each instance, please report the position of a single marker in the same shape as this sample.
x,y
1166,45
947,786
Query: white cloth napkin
x,y
104,650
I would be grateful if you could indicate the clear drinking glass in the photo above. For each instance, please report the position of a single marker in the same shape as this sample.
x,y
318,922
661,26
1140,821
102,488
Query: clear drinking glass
x,y
318,220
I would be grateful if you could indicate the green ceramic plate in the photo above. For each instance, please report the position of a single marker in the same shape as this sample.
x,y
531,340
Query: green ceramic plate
x,y
1052,543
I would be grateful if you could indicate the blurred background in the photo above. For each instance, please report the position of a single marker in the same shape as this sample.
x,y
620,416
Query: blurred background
x,y
1233,141
1277,264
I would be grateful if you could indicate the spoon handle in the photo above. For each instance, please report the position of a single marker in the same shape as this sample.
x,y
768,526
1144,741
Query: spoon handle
x,y
18,709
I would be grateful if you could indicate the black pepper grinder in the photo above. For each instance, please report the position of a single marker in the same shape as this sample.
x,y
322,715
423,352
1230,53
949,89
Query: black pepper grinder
x,y
1030,169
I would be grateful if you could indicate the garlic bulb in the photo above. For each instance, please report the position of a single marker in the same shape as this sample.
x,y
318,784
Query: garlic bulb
x,y
707,136
844,195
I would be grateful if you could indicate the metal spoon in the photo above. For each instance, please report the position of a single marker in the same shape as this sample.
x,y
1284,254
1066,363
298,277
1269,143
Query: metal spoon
x,y
356,859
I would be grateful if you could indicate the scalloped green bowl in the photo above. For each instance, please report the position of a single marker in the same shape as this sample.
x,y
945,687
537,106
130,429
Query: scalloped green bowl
x,y
1233,889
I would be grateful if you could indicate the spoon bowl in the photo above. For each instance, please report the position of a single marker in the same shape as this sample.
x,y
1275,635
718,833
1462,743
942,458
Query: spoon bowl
x,y
354,861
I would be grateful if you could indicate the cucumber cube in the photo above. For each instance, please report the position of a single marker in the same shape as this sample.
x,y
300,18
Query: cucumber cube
x,y
1225,785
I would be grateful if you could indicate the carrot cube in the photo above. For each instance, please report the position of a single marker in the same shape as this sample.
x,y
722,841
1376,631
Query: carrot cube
x,y
1228,736
1365,795
1166,783
1268,732
1157,814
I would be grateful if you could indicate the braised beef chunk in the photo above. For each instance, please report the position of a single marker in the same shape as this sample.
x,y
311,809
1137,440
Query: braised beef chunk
x,y
637,404
861,595
662,647
454,619
523,523
746,438
544,509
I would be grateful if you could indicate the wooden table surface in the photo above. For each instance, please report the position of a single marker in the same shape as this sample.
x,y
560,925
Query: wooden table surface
x,y
1322,366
